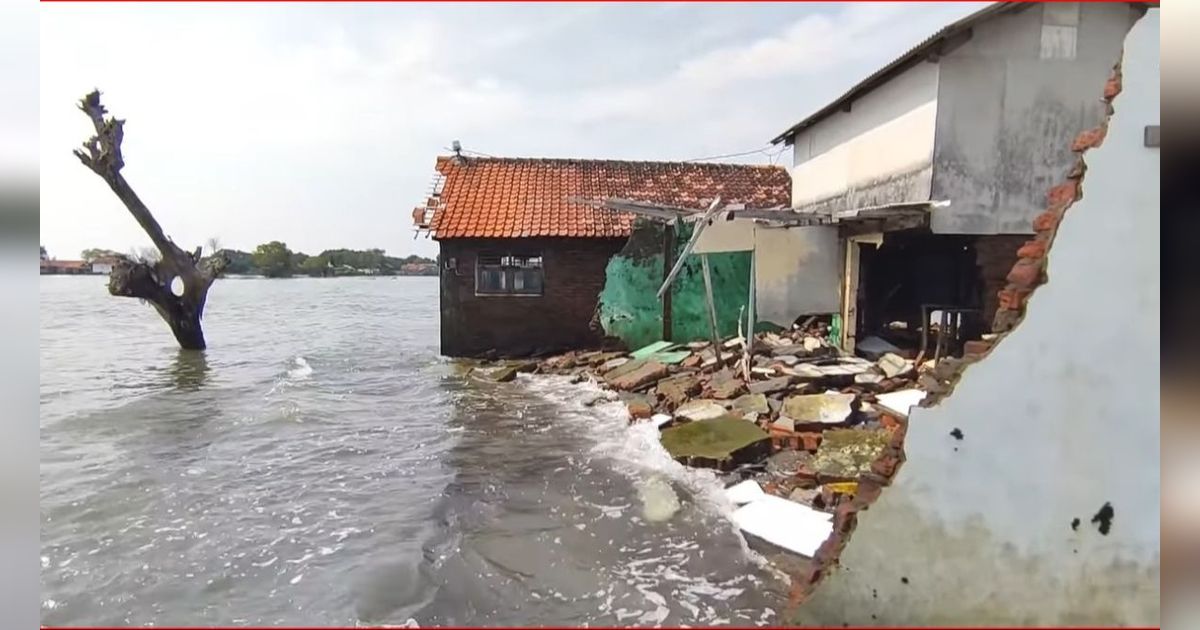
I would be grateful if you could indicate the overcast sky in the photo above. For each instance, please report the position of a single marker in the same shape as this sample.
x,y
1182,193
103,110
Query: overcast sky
x,y
318,124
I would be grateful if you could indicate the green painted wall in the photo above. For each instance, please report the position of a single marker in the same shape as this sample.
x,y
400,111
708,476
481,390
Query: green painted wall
x,y
628,306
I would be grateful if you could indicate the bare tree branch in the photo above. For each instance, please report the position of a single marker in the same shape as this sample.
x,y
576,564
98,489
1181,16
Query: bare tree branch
x,y
143,279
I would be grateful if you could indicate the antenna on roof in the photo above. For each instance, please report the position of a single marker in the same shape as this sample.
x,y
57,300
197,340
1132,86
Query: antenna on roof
x,y
457,146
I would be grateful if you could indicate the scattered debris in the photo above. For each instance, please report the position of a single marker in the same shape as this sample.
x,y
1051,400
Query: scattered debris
x,y
786,524
720,443
744,492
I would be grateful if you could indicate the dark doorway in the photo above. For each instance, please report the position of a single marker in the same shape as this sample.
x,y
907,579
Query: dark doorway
x,y
915,277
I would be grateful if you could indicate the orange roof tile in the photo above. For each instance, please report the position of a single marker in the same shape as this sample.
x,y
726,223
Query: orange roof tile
x,y
522,197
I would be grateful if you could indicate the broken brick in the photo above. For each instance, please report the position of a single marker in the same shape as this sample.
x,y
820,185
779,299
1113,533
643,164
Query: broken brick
x,y
976,346
1062,195
1113,87
1032,249
1089,139
1012,298
1025,274
639,409
810,440
1046,221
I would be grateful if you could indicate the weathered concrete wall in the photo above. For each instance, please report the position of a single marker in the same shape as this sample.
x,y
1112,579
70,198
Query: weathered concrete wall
x,y
796,273
1009,102
630,310
797,270
1060,419
520,325
839,163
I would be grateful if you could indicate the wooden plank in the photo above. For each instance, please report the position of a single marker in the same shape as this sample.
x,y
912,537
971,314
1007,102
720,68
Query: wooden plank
x,y
668,246
687,249
712,307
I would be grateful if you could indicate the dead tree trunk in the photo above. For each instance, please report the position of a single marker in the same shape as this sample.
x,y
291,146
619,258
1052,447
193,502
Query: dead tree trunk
x,y
147,280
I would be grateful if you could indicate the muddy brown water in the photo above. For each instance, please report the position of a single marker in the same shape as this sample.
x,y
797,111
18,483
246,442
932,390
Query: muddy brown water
x,y
320,464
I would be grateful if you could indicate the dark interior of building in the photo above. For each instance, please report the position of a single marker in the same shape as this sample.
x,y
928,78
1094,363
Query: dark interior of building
x,y
915,277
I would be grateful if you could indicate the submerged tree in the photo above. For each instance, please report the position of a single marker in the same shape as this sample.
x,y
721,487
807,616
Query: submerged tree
x,y
180,304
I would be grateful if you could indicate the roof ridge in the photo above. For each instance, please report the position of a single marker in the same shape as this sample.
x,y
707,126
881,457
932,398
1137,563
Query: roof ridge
x,y
492,158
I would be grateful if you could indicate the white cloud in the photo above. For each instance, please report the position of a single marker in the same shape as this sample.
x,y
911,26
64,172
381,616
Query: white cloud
x,y
319,127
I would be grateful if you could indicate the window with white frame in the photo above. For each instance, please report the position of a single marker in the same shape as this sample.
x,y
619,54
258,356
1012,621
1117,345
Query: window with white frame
x,y
508,274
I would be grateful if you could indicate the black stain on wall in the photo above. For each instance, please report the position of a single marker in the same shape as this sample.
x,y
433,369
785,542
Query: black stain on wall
x,y
1075,524
1104,518
957,433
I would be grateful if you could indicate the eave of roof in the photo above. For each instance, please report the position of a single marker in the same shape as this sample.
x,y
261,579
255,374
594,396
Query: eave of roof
x,y
915,53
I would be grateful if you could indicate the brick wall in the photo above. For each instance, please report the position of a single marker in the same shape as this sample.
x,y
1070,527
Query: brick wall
x,y
512,326
995,256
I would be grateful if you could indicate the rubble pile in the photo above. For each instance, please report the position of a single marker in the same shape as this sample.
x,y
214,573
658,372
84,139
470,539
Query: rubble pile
x,y
788,412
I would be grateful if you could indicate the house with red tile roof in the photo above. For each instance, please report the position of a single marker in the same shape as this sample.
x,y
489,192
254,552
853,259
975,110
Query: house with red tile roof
x,y
522,258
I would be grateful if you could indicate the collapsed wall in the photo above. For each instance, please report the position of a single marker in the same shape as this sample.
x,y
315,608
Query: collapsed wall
x,y
1031,495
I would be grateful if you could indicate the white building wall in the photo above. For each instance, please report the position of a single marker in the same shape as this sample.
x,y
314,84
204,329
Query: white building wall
x,y
1061,418
881,149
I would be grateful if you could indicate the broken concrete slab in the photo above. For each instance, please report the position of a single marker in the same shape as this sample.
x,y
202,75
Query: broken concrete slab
x,y
785,463
868,378
846,454
671,357
721,443
701,409
900,402
770,386
656,347
784,423
792,349
661,419
676,390
613,364
744,492
817,409
894,365
643,374
786,524
751,404
503,374
724,385
874,347
805,496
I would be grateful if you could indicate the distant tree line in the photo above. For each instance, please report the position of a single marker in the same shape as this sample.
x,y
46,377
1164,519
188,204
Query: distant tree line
x,y
275,260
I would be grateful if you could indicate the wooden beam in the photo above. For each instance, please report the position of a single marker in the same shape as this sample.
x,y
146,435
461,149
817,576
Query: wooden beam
x,y
687,249
668,262
712,308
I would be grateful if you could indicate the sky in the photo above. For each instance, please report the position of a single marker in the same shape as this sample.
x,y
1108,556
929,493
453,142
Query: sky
x,y
318,124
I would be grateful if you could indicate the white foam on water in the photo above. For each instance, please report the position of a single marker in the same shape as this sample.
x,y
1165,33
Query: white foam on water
x,y
636,451
302,369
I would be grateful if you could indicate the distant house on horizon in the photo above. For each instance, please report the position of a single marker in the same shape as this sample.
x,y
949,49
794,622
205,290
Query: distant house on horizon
x,y
522,266
51,267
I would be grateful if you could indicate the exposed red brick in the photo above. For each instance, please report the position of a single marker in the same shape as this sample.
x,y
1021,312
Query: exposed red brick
x,y
1063,194
527,197
1046,221
1013,298
639,409
977,346
812,441
1113,87
1032,249
1089,139
1025,274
